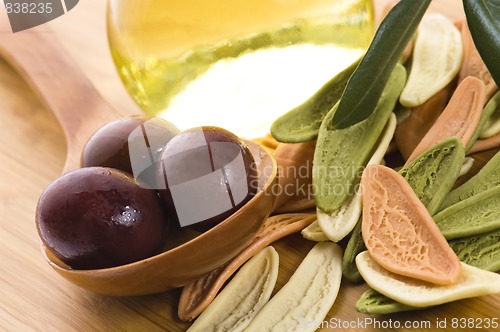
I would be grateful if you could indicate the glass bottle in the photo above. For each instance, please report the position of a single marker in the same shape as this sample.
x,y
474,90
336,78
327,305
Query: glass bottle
x,y
237,64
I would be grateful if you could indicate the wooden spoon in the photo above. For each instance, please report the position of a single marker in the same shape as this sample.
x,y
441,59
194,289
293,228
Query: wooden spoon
x,y
64,90
189,260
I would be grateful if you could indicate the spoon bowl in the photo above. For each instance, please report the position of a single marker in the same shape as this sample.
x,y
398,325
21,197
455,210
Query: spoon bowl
x,y
188,261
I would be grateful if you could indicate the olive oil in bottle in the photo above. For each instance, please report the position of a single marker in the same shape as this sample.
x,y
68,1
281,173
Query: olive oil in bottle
x,y
237,64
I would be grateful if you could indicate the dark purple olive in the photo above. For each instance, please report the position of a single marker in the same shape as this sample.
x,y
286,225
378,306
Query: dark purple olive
x,y
132,144
209,173
98,217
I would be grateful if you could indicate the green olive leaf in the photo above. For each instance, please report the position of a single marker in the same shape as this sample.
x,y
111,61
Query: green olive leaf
x,y
367,82
483,19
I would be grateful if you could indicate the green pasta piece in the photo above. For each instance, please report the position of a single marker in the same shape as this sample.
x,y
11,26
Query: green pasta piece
x,y
488,177
372,302
302,123
475,215
481,251
341,154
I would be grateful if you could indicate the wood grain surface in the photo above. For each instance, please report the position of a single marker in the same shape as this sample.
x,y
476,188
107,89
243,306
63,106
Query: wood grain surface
x,y
32,154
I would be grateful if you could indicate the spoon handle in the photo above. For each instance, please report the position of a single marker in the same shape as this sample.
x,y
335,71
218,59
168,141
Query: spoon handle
x,y
60,85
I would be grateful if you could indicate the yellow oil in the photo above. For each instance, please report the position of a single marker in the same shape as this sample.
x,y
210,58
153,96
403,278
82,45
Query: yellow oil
x,y
159,46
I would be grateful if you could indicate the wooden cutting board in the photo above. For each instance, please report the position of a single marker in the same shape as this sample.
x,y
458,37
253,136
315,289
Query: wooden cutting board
x,y
32,153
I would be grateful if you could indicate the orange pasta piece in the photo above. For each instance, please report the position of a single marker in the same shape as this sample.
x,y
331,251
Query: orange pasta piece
x,y
399,232
411,131
460,117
